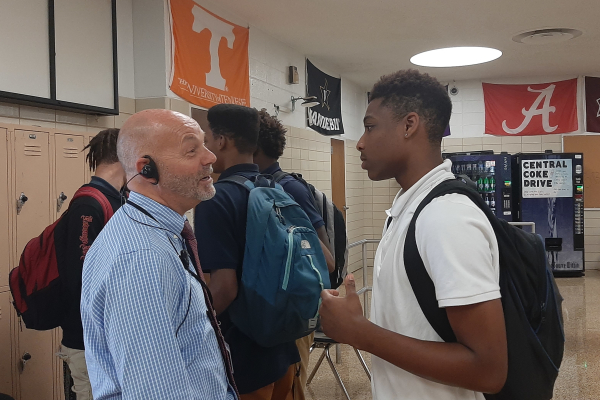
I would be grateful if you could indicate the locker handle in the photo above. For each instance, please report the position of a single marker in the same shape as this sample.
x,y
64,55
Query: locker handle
x,y
26,357
59,202
21,202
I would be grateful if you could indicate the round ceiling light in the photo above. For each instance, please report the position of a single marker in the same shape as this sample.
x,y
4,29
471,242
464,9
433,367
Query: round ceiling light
x,y
547,36
455,56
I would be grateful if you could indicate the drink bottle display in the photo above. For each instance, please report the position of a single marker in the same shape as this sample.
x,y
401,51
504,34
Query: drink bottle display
x,y
491,176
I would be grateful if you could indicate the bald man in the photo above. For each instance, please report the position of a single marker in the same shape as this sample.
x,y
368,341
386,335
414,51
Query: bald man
x,y
150,330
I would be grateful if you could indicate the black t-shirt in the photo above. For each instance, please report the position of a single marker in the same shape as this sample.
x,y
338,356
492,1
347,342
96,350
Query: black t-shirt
x,y
84,221
220,225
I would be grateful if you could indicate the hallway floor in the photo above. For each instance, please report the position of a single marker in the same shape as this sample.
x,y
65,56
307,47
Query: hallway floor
x,y
580,369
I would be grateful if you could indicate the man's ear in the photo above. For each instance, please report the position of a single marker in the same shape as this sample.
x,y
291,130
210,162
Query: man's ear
x,y
222,142
410,124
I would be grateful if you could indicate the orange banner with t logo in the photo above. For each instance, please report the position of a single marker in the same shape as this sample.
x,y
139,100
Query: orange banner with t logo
x,y
210,57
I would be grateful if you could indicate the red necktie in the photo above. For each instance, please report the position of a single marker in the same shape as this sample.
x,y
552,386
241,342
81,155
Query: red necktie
x,y
192,245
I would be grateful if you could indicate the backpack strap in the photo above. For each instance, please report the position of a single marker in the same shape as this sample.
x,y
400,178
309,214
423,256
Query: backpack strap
x,y
257,181
419,278
88,191
239,180
279,175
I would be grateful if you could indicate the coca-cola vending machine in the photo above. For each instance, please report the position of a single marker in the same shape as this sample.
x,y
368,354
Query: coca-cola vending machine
x,y
492,175
549,192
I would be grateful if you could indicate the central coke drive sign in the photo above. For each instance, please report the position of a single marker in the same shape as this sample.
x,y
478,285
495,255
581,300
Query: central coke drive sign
x,y
547,178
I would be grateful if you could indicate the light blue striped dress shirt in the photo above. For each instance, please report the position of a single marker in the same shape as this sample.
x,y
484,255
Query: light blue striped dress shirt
x,y
146,332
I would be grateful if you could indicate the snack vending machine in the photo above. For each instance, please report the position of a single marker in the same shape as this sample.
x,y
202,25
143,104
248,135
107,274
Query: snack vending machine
x,y
492,175
549,192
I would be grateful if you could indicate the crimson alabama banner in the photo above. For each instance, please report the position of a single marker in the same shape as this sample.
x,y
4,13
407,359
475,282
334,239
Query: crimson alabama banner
x,y
538,109
592,104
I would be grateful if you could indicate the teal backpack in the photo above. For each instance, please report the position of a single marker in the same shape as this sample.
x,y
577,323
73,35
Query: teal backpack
x,y
284,269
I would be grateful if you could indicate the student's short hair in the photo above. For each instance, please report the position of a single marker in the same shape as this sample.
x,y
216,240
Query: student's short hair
x,y
235,122
408,91
271,136
103,148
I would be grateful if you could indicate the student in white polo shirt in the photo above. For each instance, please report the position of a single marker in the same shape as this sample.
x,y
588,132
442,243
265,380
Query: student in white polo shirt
x,y
404,122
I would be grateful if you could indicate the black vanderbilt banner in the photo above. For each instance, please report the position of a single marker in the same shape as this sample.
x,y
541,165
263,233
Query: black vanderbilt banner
x,y
326,117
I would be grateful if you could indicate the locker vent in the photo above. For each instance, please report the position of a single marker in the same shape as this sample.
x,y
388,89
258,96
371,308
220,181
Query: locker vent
x,y
70,152
33,150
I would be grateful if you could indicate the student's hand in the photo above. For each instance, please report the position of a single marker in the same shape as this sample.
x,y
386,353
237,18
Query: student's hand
x,y
341,317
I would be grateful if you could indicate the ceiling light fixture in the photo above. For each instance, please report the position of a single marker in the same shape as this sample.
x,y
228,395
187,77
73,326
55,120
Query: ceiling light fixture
x,y
455,57
547,36
309,101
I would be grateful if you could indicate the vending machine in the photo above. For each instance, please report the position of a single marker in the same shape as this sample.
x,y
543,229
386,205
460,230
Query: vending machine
x,y
492,174
549,192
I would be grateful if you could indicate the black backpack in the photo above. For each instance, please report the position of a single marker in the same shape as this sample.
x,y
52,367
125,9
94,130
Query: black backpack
x,y
334,224
530,300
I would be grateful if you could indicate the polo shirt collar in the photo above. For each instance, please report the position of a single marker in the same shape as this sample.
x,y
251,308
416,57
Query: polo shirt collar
x,y
404,198
272,169
237,169
165,216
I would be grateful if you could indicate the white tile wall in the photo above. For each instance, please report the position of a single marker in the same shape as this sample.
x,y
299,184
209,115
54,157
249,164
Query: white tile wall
x,y
269,62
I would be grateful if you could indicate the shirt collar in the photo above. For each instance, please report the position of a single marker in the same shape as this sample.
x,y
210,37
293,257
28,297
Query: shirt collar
x,y
96,180
272,169
404,198
165,216
238,168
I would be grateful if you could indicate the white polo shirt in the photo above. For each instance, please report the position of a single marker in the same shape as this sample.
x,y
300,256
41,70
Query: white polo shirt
x,y
460,252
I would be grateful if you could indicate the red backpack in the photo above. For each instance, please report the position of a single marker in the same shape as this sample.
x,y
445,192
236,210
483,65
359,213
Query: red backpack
x,y
35,283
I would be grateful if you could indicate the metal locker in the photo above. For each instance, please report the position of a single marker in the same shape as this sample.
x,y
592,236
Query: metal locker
x,y
4,225
35,351
70,169
5,341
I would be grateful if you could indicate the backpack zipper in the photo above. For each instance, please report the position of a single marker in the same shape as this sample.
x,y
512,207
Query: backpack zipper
x,y
288,264
320,282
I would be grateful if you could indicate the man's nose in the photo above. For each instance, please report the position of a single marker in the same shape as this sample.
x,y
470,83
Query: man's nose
x,y
209,158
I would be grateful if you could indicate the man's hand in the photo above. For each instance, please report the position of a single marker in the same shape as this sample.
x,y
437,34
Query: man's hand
x,y
341,316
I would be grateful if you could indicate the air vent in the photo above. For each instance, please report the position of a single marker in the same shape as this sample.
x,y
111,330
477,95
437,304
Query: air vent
x,y
547,36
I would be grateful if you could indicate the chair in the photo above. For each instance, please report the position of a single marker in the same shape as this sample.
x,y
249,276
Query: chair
x,y
324,342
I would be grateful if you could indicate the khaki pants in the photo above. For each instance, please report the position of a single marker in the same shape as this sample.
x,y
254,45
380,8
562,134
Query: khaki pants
x,y
301,376
75,359
280,390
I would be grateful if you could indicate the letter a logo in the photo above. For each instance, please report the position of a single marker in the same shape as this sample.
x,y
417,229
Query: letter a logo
x,y
545,95
219,30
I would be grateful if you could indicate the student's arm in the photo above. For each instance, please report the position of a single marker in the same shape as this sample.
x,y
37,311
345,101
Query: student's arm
x,y
219,250
464,270
223,286
323,238
478,361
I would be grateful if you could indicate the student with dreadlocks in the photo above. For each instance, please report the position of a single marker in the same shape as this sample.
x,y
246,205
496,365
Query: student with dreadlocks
x,y
85,221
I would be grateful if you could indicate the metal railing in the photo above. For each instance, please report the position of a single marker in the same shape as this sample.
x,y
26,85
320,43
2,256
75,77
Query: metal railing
x,y
366,288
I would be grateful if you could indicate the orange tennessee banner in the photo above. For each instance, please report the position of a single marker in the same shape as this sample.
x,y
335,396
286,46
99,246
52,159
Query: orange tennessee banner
x,y
210,57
